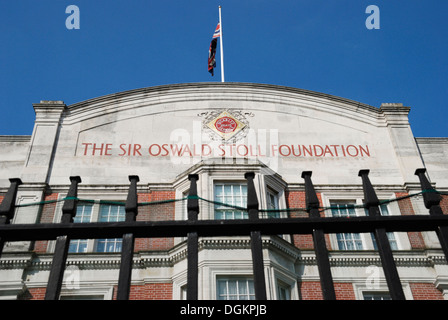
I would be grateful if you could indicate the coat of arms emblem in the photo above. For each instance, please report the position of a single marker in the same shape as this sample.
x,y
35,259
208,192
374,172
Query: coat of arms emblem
x,y
226,125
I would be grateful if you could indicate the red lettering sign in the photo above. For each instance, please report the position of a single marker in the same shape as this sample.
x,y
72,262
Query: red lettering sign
x,y
224,150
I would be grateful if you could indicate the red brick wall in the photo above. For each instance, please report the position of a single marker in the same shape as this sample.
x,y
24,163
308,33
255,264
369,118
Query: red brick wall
x,y
344,291
405,205
157,212
296,199
444,204
425,291
150,291
34,294
47,216
311,290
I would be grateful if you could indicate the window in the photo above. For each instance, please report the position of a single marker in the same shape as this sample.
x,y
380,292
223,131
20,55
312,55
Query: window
x,y
284,291
183,292
90,292
89,212
235,289
376,296
232,194
110,213
83,214
346,241
272,204
390,235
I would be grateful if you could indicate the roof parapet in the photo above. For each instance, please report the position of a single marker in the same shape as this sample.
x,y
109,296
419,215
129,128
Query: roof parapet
x,y
49,110
395,113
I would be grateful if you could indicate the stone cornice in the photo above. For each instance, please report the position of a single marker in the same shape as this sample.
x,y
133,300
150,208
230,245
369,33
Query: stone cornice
x,y
414,258
418,258
234,86
432,140
12,139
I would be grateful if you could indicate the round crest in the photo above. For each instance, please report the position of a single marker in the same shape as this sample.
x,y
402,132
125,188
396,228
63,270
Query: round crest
x,y
225,125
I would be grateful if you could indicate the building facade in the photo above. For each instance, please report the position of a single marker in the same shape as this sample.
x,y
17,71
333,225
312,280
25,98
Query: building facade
x,y
220,131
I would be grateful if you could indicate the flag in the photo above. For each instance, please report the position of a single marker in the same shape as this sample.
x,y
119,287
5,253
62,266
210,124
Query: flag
x,y
211,56
212,49
217,33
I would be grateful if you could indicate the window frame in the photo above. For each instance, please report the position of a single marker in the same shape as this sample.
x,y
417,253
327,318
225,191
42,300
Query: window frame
x,y
106,292
117,242
119,198
335,237
394,243
78,242
244,215
271,194
357,197
380,294
283,286
248,279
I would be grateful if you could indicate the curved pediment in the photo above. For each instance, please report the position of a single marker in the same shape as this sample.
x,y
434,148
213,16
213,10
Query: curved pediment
x,y
171,98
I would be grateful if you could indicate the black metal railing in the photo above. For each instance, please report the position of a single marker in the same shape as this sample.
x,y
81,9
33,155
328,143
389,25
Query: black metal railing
x,y
317,226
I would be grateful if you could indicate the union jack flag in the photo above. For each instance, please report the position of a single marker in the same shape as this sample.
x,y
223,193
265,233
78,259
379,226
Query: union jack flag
x,y
212,49
217,33
211,56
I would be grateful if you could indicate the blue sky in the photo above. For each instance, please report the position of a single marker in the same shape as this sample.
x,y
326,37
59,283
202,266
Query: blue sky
x,y
320,45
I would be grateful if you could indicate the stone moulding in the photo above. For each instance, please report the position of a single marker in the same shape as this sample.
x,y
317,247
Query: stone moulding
x,y
420,258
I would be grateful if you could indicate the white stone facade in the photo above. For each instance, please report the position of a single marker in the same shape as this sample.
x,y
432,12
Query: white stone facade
x,y
164,133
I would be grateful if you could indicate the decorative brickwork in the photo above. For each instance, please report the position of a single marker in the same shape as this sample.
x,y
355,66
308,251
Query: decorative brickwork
x,y
406,208
425,291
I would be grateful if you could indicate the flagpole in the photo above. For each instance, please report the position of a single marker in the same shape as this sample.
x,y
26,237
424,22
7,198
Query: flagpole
x,y
220,42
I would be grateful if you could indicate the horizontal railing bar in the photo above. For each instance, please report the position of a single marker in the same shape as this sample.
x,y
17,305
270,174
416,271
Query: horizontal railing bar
x,y
211,228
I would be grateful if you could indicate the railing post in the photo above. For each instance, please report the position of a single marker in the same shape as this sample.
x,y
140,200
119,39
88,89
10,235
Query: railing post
x,y
7,207
192,240
432,202
62,242
255,240
320,247
127,246
390,269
